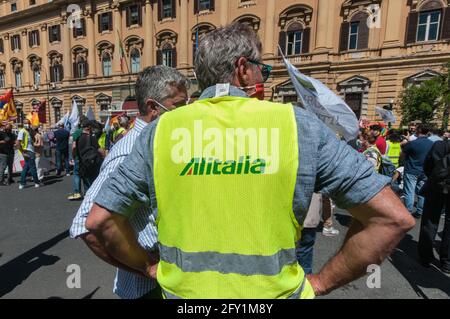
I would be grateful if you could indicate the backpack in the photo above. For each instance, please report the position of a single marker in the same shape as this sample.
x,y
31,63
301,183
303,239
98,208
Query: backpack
x,y
440,175
90,159
387,168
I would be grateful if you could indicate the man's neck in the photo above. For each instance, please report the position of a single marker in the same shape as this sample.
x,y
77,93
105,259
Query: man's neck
x,y
147,118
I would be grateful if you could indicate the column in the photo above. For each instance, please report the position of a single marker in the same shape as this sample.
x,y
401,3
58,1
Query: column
x,y
270,43
90,34
45,70
66,48
26,69
322,24
149,35
224,8
117,29
8,70
183,47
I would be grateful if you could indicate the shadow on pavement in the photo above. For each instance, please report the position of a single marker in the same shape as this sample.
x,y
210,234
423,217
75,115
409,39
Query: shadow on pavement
x,y
14,272
405,260
344,220
88,296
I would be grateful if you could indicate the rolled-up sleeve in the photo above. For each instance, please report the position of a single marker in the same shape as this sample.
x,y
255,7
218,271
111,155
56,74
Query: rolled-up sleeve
x,y
128,188
345,175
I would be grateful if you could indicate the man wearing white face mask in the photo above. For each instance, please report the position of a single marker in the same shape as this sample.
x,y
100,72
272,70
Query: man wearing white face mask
x,y
25,145
159,89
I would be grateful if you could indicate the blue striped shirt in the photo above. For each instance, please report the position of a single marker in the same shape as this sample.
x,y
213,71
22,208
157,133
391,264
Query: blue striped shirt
x,y
126,285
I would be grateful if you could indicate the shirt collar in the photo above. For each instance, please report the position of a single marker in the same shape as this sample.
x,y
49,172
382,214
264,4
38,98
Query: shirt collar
x,y
139,124
211,92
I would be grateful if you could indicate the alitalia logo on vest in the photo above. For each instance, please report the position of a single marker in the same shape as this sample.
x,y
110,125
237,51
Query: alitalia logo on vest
x,y
226,151
215,167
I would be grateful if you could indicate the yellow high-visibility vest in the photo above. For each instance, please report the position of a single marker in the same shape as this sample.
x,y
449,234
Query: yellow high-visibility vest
x,y
394,151
26,137
225,171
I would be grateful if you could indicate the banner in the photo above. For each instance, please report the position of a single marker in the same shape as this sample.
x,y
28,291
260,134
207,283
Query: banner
x,y
386,115
90,114
320,100
73,118
8,110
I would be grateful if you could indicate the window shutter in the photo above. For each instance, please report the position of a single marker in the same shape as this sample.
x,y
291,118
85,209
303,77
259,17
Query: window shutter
x,y
99,23
174,9
212,5
139,14
12,43
58,28
61,72
174,57
75,70
128,16
194,51
83,26
30,39
363,35
38,38
1,46
19,42
86,64
52,75
74,32
110,21
345,33
446,25
282,41
411,33
159,57
160,9
306,40
49,31
196,6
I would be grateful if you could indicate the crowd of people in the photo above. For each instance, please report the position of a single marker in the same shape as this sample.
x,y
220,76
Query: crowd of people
x,y
189,235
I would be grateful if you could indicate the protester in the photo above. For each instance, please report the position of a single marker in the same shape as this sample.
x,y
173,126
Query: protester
x,y
122,130
154,85
412,136
62,149
24,144
219,222
446,136
76,179
39,151
305,248
376,131
89,154
437,199
436,135
415,153
394,148
7,141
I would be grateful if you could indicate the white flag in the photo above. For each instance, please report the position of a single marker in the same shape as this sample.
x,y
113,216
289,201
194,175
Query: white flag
x,y
74,117
323,102
386,115
90,114
107,125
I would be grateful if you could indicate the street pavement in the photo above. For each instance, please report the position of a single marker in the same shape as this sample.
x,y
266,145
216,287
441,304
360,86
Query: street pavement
x,y
36,251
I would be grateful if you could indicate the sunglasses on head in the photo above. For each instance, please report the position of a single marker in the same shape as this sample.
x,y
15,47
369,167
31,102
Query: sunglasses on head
x,y
265,69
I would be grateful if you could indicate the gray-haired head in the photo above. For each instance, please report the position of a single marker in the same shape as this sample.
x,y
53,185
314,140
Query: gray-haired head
x,y
158,83
219,50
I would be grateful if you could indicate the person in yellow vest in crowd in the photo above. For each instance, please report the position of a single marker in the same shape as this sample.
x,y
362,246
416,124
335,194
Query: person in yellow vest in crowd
x,y
25,145
122,130
394,148
230,179
372,153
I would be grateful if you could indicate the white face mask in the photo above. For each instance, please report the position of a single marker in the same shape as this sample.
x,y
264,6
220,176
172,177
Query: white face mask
x,y
27,126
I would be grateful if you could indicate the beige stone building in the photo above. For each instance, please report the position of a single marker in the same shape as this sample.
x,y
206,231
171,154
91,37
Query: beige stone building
x,y
365,50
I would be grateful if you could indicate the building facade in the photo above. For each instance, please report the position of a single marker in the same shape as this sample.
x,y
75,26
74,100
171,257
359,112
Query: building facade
x,y
368,51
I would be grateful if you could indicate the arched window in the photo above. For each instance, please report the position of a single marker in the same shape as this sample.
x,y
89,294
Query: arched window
x,y
106,64
197,33
167,53
295,31
2,79
80,65
355,33
135,61
35,63
18,77
17,69
56,68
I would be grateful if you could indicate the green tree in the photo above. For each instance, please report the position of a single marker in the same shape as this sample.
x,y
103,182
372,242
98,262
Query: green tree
x,y
428,101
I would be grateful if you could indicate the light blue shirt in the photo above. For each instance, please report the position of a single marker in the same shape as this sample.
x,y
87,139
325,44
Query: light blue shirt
x,y
126,285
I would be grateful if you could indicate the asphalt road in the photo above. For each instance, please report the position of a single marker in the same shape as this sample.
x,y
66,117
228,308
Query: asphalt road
x,y
36,251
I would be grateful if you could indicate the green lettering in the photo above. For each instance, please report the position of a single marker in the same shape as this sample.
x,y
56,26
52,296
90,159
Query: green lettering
x,y
188,167
229,168
258,167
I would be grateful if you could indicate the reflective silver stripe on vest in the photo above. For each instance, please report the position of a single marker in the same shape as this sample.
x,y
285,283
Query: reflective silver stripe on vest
x,y
168,295
247,265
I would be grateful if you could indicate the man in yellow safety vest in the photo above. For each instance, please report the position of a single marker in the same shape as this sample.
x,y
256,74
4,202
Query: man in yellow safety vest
x,y
230,179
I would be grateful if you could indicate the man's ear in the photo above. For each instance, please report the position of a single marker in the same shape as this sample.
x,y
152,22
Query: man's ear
x,y
241,72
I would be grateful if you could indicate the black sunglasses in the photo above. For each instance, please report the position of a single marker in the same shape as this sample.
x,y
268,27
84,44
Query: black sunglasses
x,y
265,69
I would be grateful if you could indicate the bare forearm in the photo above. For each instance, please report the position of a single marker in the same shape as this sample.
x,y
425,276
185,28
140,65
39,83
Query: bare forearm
x,y
97,248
